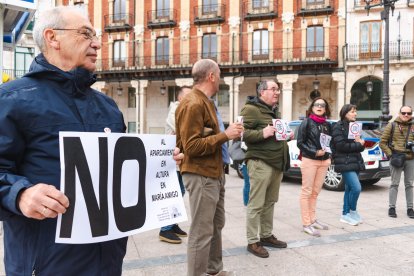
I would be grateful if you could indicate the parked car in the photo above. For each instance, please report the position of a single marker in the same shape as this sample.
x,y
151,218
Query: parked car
x,y
376,162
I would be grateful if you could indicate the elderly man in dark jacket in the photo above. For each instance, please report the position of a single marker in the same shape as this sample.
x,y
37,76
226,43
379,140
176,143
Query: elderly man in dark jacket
x,y
54,96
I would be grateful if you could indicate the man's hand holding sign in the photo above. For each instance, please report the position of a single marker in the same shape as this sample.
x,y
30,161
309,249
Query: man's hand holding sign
x,y
128,191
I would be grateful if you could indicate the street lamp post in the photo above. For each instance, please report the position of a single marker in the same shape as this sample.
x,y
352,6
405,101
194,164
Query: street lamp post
x,y
385,14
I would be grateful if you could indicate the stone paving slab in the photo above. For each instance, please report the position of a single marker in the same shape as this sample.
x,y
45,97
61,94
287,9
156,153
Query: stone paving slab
x,y
379,246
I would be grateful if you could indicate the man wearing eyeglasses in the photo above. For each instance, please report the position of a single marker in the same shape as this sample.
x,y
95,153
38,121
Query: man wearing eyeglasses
x,y
54,96
398,138
266,160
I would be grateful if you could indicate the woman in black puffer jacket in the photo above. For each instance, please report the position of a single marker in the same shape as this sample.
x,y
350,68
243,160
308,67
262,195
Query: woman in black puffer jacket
x,y
315,162
348,161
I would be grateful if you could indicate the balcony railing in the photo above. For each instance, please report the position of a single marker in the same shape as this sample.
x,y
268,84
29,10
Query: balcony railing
x,y
360,4
207,14
118,22
15,74
274,57
306,7
260,9
375,51
162,18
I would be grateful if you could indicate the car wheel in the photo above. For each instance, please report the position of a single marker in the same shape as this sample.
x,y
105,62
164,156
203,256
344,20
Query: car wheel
x,y
237,165
370,181
333,180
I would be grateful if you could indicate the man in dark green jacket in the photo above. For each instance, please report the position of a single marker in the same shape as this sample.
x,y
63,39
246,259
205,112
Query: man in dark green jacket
x,y
266,158
398,141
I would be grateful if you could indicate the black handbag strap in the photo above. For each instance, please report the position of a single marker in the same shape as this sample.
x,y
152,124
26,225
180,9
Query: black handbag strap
x,y
392,135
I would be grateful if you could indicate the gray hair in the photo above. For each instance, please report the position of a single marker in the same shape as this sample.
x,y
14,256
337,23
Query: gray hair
x,y
263,86
51,19
202,68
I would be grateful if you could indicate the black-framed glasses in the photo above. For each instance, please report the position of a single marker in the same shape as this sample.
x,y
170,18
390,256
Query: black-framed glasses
x,y
86,32
407,113
319,105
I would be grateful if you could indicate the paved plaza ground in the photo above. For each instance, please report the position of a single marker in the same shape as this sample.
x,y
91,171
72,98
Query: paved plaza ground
x,y
379,246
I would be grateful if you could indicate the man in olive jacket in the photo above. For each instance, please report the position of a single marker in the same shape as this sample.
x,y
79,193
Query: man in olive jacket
x,y
266,160
402,124
201,135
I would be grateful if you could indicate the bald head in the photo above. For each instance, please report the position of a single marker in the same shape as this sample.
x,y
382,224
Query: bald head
x,y
202,69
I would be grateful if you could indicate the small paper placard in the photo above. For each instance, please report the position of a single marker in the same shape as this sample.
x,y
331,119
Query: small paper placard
x,y
283,130
354,130
325,142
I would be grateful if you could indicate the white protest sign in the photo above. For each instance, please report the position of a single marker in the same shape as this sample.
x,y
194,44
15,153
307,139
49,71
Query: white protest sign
x,y
325,142
240,120
283,130
354,130
118,185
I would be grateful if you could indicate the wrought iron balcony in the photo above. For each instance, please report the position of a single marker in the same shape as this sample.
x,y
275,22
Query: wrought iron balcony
x,y
306,7
360,4
208,14
301,56
260,9
118,22
375,51
162,18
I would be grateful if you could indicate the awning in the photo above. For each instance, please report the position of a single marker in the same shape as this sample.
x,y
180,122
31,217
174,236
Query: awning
x,y
17,14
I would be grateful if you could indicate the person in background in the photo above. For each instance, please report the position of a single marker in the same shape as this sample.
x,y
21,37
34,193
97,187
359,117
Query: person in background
x,y
399,141
203,139
315,162
172,233
348,161
54,96
266,160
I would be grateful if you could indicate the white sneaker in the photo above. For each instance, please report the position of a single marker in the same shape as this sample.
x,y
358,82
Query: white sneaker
x,y
311,231
348,219
355,216
319,225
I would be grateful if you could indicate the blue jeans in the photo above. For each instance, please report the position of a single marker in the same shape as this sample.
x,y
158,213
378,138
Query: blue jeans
x,y
352,191
246,187
180,180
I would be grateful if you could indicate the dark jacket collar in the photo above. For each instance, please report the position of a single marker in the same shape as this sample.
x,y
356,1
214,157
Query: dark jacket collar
x,y
80,78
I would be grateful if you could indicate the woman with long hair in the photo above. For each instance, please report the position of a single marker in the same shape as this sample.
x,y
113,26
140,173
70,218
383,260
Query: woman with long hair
x,y
348,161
316,159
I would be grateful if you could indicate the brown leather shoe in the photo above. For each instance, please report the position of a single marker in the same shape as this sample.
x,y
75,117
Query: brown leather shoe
x,y
258,250
273,242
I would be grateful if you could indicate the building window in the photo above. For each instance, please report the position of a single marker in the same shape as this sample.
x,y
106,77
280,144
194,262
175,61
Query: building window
x,y
162,50
163,9
210,46
131,97
314,41
23,58
119,10
261,44
172,94
259,4
370,39
210,7
132,127
119,53
222,98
